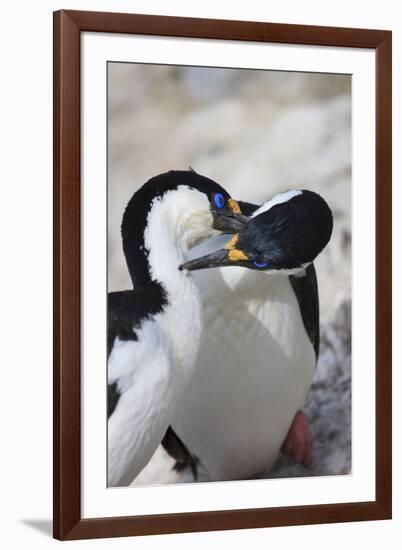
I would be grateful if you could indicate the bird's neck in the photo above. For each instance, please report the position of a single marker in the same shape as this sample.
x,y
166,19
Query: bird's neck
x,y
157,235
182,315
154,254
154,258
182,322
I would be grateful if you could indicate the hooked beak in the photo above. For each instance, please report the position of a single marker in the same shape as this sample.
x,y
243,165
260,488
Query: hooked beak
x,y
229,255
230,219
219,258
229,222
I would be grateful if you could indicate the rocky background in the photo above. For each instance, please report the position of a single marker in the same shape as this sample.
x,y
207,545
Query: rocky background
x,y
256,133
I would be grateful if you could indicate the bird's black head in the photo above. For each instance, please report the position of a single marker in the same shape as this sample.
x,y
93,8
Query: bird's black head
x,y
182,206
284,235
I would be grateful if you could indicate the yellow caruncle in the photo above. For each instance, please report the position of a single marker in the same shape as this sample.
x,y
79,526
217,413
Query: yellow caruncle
x,y
234,206
235,255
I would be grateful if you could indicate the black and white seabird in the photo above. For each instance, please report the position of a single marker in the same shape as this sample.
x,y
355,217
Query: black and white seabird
x,y
154,330
260,340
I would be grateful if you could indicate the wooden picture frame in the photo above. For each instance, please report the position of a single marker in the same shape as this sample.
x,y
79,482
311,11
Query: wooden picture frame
x,y
68,26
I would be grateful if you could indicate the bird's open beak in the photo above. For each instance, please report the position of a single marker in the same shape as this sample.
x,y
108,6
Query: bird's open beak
x,y
219,258
230,219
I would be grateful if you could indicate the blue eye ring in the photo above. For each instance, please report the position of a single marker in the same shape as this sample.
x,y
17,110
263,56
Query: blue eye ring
x,y
219,200
260,265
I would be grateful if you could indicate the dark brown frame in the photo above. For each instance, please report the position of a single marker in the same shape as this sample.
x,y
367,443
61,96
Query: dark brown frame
x,y
68,26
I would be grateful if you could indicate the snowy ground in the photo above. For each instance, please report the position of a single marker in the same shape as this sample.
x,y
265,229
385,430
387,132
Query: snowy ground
x,y
256,133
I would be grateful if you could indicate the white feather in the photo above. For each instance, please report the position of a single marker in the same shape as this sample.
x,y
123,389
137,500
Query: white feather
x,y
144,374
253,372
278,199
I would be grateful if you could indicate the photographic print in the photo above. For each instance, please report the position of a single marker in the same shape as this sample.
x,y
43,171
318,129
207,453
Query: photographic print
x,y
229,274
220,191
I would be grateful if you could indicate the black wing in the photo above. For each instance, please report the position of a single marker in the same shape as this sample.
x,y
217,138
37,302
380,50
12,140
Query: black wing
x,y
125,312
175,447
306,290
121,317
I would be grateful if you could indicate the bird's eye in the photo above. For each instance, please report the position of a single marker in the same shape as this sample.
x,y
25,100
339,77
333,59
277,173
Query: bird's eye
x,y
219,200
260,265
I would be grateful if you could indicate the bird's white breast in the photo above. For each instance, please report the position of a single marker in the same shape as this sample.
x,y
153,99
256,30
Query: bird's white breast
x,y
252,374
